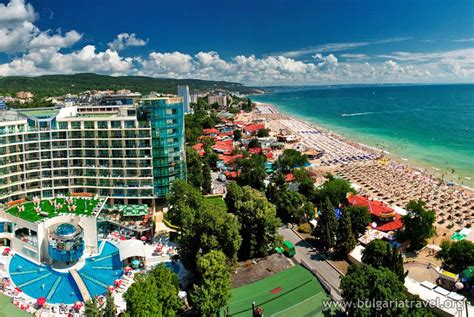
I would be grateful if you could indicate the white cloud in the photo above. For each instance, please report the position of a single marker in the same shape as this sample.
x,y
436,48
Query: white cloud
x,y
470,39
19,34
44,40
41,52
354,56
16,12
124,40
336,47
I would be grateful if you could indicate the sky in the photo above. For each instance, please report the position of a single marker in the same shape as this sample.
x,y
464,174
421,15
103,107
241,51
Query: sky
x,y
255,42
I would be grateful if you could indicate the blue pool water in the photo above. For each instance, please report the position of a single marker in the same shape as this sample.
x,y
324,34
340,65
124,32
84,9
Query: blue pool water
x,y
40,280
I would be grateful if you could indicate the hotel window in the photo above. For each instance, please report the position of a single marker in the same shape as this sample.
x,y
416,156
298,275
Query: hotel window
x,y
129,124
76,125
102,124
62,125
115,124
89,125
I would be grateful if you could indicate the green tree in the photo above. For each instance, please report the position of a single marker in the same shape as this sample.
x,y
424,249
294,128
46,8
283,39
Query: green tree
x,y
293,207
210,229
234,194
109,310
360,218
92,308
418,224
290,159
326,228
457,256
345,238
194,168
379,253
213,288
253,144
379,285
183,201
336,189
237,134
207,179
251,171
154,294
262,133
257,218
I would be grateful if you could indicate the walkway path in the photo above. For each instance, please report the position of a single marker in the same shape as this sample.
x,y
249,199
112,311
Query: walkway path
x,y
308,256
81,285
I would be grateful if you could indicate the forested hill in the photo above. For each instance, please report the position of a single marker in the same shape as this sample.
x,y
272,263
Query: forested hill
x,y
56,85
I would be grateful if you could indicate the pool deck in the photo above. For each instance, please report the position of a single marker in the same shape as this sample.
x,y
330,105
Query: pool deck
x,y
81,285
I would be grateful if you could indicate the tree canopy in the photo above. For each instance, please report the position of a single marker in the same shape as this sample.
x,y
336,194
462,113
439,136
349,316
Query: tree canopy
x,y
212,290
326,228
379,253
366,284
251,171
194,167
154,294
458,255
336,190
345,237
291,158
418,224
360,218
257,218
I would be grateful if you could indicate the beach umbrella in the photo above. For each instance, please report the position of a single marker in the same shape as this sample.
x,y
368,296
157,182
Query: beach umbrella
x,y
7,250
41,301
123,238
110,288
117,282
18,289
135,263
143,238
127,269
459,285
77,305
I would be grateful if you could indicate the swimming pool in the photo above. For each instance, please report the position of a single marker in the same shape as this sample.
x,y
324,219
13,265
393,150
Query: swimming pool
x,y
40,280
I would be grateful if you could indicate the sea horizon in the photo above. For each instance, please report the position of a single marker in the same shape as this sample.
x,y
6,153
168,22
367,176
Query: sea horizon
x,y
417,118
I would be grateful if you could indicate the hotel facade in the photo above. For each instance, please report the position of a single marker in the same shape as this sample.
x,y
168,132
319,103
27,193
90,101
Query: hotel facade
x,y
127,149
124,150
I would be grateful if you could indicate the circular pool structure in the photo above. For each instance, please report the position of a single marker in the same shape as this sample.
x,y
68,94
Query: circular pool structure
x,y
36,280
66,244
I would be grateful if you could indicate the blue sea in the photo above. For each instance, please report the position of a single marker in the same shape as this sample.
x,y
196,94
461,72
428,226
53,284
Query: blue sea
x,y
431,126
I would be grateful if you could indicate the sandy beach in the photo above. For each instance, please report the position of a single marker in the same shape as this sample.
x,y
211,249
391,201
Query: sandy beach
x,y
376,173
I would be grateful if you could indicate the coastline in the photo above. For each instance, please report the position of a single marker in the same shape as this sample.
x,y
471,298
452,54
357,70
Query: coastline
x,y
424,168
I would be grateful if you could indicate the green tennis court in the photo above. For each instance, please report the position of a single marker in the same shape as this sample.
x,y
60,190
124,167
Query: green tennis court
x,y
293,292
7,309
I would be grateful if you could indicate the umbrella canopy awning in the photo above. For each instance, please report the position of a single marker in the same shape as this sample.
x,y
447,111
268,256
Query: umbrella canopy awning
x,y
134,210
131,248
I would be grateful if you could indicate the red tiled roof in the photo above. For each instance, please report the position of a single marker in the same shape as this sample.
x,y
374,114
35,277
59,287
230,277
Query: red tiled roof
x,y
229,159
376,208
393,225
210,131
198,146
256,150
269,155
231,175
254,127
228,133
224,145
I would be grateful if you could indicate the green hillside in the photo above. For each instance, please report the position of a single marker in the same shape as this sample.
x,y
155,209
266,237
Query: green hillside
x,y
56,85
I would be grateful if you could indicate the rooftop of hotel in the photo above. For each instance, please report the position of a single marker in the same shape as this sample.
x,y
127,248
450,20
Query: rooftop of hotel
x,y
47,208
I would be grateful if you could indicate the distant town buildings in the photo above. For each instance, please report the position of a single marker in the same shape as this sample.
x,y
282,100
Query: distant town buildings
x,y
183,92
194,98
2,103
220,99
24,95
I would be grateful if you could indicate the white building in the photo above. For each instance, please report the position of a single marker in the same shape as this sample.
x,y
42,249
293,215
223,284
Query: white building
x,y
183,91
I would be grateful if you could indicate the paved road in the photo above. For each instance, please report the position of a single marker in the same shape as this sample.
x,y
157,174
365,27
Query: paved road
x,y
312,259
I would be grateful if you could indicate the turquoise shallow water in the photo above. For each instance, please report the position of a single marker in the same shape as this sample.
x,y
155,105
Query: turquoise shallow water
x,y
430,125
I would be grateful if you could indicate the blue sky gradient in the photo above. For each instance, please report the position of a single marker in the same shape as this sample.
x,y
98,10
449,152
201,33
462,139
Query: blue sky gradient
x,y
256,42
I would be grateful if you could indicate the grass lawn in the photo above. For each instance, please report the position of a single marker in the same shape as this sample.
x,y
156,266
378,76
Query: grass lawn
x,y
84,207
217,202
7,309
293,292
